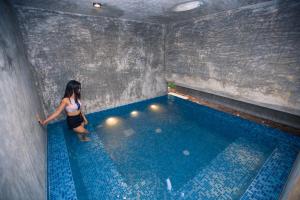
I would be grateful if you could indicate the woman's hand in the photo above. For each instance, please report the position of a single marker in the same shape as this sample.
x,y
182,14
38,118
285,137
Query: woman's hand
x,y
42,122
85,121
54,115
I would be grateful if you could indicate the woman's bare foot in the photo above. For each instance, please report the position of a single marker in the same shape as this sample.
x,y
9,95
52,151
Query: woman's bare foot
x,y
83,138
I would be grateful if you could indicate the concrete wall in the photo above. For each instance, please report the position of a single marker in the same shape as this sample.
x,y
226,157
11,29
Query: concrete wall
x,y
292,187
117,61
250,54
23,141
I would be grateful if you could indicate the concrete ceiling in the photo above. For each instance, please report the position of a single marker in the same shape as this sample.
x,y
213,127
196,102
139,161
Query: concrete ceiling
x,y
157,11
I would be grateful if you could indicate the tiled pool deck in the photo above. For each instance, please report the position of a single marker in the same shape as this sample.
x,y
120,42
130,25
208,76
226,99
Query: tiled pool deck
x,y
208,184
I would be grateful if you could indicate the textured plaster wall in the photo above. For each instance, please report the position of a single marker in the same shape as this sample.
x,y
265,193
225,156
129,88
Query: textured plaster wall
x,y
158,11
292,188
117,61
23,141
249,54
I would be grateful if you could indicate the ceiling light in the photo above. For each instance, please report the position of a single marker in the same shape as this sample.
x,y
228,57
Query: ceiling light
x,y
187,6
97,5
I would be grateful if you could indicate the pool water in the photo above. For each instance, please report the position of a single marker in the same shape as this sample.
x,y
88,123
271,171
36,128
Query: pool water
x,y
169,148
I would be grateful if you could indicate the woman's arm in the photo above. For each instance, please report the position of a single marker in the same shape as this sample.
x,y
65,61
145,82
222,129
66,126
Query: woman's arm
x,y
54,115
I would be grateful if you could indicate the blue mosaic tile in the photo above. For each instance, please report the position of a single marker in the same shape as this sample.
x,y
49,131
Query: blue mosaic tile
x,y
60,179
227,175
111,183
271,179
240,156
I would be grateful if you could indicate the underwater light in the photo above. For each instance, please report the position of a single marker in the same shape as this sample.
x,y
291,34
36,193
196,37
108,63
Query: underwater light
x,y
154,107
158,130
97,5
134,113
186,152
111,121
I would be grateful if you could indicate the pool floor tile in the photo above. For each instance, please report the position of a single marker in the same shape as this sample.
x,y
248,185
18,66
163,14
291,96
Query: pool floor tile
x,y
256,160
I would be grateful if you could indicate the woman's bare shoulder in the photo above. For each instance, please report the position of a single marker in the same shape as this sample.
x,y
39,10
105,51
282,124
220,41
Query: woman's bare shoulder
x,y
65,100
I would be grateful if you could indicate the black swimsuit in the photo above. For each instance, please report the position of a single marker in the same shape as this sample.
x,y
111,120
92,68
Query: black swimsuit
x,y
74,121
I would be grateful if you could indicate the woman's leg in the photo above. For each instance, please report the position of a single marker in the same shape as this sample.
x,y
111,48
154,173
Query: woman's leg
x,y
82,131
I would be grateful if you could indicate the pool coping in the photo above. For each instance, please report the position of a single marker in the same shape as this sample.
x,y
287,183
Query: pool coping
x,y
260,120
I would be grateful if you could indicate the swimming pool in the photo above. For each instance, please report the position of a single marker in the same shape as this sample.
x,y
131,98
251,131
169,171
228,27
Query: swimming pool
x,y
169,148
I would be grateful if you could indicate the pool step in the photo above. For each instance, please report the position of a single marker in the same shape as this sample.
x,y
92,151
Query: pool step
x,y
271,178
60,180
147,189
95,181
105,181
228,175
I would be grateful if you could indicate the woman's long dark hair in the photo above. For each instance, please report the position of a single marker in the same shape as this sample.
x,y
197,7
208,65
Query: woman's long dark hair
x,y
73,87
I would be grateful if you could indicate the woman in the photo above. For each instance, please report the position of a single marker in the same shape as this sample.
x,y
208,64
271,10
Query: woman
x,y
71,104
